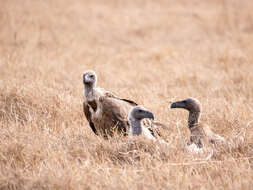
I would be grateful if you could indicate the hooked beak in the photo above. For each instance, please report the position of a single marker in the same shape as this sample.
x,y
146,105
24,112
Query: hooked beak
x,y
150,115
86,79
177,105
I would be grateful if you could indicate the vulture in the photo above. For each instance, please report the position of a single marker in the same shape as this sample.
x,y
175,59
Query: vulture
x,y
199,133
135,116
106,113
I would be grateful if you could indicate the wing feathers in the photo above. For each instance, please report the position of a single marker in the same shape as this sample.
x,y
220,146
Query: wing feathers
x,y
114,113
88,117
109,94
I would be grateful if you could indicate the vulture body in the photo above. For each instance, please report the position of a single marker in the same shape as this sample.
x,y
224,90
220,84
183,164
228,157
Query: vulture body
x,y
200,134
106,113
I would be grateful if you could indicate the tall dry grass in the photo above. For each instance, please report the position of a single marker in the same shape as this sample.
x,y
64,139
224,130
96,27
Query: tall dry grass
x,y
151,52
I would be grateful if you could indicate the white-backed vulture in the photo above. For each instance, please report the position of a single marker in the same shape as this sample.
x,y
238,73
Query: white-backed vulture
x,y
135,116
105,112
200,133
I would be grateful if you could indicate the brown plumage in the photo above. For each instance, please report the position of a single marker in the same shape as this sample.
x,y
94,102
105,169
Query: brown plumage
x,y
111,116
106,113
200,133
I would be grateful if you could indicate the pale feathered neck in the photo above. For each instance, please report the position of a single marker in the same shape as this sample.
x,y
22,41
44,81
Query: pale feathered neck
x,y
135,126
89,91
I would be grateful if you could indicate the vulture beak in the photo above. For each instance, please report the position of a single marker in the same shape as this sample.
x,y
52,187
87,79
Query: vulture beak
x,y
177,105
150,115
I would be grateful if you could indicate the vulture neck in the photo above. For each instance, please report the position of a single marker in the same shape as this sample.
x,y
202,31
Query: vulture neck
x,y
89,91
193,118
135,126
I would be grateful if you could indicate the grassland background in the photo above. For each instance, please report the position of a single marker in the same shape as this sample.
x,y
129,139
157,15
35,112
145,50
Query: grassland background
x,y
152,52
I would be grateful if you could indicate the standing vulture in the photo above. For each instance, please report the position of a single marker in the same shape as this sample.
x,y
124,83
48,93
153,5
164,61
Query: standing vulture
x,y
105,112
199,132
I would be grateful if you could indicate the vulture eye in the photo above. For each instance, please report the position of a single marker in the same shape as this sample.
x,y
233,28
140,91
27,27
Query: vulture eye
x,y
184,101
91,76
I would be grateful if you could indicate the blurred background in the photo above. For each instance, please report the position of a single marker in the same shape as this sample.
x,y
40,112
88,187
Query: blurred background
x,y
166,49
152,52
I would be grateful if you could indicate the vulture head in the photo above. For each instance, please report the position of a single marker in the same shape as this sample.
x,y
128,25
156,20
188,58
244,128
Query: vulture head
x,y
190,104
139,113
89,78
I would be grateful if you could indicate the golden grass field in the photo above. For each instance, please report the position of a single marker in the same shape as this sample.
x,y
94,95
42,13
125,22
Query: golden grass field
x,y
152,52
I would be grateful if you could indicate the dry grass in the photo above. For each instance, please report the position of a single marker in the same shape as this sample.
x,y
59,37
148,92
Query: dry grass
x,y
151,52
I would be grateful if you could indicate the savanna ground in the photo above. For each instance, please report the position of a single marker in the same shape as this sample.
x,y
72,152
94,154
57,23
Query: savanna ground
x,y
152,52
